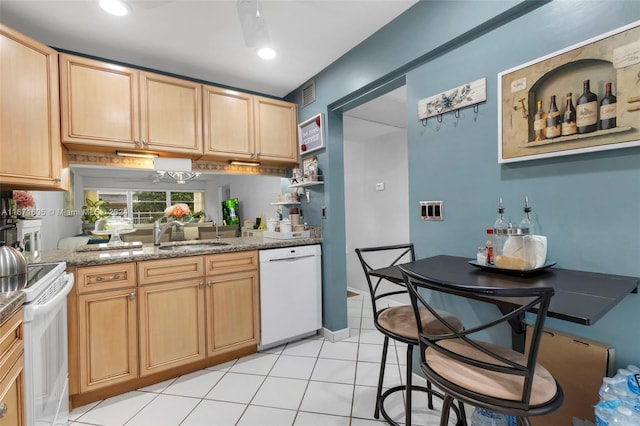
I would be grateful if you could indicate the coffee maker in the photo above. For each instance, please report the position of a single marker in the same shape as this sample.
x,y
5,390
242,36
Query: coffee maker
x,y
8,228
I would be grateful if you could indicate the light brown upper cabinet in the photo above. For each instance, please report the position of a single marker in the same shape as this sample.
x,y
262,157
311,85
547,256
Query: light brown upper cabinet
x,y
30,150
108,107
240,126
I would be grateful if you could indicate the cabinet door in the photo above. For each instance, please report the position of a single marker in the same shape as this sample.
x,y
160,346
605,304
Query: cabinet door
x,y
30,150
12,395
171,114
228,124
99,104
276,130
172,331
232,311
108,338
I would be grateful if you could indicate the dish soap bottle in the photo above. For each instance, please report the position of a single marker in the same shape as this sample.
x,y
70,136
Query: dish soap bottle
x,y
527,224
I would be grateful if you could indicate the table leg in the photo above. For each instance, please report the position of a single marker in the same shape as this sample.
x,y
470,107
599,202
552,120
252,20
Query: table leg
x,y
518,330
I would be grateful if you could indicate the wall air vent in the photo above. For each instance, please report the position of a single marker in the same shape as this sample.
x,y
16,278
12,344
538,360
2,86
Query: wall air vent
x,y
309,93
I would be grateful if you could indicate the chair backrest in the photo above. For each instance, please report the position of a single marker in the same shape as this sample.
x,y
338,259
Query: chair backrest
x,y
379,257
492,357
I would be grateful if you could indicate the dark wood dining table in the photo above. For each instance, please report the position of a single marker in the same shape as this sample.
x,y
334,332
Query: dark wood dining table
x,y
580,297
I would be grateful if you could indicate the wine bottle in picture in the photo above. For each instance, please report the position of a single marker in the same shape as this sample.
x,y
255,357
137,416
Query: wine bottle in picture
x,y
608,109
553,119
539,123
568,127
587,110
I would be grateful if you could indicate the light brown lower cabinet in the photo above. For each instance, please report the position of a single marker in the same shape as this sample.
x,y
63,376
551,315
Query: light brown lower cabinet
x,y
232,300
12,372
108,338
171,325
132,324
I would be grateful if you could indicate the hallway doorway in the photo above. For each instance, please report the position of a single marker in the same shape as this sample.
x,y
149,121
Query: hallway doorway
x,y
375,178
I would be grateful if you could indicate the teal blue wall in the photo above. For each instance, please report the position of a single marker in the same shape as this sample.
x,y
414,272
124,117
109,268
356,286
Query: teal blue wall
x,y
588,205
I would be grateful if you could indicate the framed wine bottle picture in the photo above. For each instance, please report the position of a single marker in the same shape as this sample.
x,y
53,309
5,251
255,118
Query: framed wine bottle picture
x,y
583,98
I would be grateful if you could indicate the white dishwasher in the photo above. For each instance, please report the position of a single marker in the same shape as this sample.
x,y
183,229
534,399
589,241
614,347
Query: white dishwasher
x,y
290,294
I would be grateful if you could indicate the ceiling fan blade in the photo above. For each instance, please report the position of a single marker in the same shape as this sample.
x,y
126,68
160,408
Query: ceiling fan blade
x,y
254,26
151,4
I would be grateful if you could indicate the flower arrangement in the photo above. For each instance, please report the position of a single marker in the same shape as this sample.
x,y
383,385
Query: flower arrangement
x,y
177,211
23,199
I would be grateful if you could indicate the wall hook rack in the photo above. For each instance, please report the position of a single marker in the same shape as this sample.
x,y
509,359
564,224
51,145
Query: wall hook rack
x,y
468,94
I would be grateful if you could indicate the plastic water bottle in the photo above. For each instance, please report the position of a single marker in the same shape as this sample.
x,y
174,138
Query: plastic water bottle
x,y
622,416
633,380
605,409
484,417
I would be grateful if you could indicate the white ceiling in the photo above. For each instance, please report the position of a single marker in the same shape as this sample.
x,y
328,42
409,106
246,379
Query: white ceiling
x,y
203,39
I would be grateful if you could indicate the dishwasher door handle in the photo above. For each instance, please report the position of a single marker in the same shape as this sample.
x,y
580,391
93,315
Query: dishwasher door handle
x,y
292,258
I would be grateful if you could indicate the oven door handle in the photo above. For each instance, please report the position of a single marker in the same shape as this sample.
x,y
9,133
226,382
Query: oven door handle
x,y
54,302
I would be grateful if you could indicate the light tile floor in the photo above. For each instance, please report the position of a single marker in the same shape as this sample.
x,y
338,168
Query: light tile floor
x,y
308,382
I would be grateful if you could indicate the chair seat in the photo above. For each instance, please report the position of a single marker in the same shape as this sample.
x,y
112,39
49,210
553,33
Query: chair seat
x,y
487,382
401,320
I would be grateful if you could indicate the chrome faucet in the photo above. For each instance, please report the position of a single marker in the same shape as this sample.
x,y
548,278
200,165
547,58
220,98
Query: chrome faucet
x,y
159,231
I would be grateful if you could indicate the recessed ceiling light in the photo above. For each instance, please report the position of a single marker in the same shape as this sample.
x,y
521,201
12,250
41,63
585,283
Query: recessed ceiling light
x,y
266,53
114,7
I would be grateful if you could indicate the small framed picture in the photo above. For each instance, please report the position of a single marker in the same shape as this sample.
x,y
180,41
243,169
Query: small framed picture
x,y
310,169
311,134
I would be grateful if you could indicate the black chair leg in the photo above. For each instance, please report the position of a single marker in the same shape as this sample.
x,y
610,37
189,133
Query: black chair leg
x,y
407,408
462,415
446,406
383,363
429,396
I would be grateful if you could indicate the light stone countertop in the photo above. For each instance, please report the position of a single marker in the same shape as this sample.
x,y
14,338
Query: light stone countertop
x,y
149,251
10,303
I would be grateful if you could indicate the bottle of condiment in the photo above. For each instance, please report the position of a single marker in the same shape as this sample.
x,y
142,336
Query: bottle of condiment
x,y
527,224
500,222
489,247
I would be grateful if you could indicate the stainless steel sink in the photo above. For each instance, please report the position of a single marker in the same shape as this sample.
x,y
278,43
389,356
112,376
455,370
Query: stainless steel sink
x,y
192,247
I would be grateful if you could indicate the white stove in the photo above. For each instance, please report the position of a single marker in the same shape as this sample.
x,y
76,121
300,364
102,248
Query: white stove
x,y
45,344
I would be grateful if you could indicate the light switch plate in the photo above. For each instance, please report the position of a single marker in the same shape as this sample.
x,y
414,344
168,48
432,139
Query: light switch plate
x,y
432,210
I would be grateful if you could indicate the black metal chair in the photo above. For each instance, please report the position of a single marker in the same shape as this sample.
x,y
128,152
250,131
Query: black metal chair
x,y
399,323
483,374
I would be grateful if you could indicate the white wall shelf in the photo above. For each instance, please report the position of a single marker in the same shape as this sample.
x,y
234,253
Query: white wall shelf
x,y
305,184
286,203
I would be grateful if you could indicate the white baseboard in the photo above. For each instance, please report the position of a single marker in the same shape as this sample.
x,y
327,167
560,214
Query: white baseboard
x,y
335,336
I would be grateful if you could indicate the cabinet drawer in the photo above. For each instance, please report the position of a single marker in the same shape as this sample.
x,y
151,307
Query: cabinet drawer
x,y
162,270
11,343
224,263
106,277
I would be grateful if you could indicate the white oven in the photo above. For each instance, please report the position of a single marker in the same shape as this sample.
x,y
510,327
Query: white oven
x,y
45,344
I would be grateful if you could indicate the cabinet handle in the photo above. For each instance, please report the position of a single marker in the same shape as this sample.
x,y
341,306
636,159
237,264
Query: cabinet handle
x,y
3,410
201,284
257,154
144,142
209,283
57,179
113,277
132,296
136,142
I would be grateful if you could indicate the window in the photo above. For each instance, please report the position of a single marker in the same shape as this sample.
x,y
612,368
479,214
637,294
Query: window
x,y
145,206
